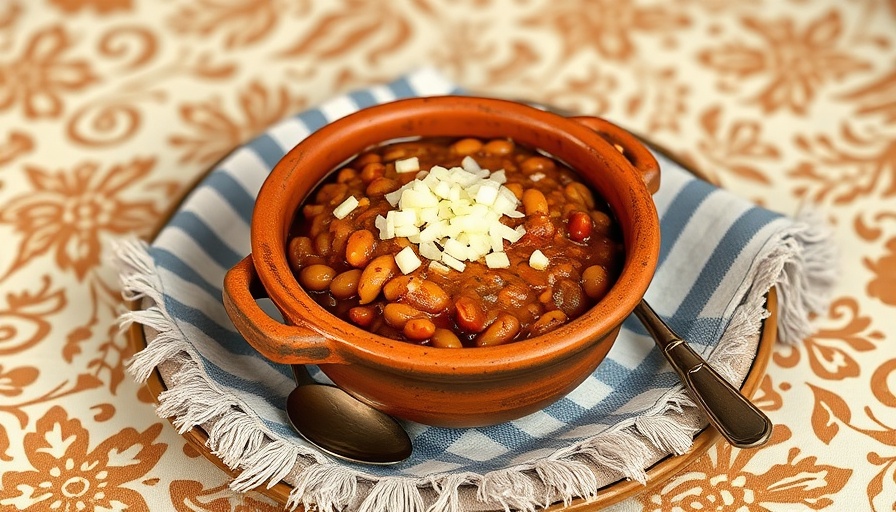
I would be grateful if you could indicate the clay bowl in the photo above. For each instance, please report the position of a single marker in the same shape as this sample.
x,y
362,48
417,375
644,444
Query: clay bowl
x,y
446,387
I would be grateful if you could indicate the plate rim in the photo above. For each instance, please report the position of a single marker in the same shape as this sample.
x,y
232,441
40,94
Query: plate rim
x,y
657,474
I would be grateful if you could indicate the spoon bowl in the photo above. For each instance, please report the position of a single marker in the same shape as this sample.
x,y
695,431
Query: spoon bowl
x,y
341,425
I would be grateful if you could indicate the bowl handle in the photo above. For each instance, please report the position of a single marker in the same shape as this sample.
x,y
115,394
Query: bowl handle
x,y
281,343
632,149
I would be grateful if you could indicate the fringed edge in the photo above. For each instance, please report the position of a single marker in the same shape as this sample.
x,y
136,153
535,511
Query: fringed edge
x,y
800,264
235,437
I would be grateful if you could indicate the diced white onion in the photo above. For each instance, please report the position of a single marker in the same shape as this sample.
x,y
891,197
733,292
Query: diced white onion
x,y
538,260
345,207
453,263
497,260
407,165
453,215
407,261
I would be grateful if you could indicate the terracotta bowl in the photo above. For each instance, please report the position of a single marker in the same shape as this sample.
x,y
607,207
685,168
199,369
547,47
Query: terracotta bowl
x,y
446,387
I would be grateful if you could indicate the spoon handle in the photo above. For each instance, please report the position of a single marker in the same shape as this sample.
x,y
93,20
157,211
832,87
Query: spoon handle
x,y
301,374
735,417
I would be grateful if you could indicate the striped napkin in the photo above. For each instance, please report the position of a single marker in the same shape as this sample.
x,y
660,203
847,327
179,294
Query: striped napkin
x,y
720,255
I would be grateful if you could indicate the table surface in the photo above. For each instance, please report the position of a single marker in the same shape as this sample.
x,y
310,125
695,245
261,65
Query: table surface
x,y
109,109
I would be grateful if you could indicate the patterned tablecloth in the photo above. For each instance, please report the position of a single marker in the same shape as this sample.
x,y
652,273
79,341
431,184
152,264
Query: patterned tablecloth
x,y
110,109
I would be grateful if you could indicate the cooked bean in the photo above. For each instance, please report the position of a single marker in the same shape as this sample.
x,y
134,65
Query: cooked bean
x,y
332,193
469,315
516,188
397,314
548,322
359,248
300,249
395,153
498,147
372,171
537,163
397,287
312,210
346,175
362,315
345,285
467,146
569,298
540,226
578,193
501,331
595,281
579,226
601,221
534,202
323,244
367,158
444,338
448,309
316,277
377,272
381,186
419,329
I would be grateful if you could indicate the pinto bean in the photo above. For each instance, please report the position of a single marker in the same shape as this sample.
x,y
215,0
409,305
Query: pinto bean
x,y
469,314
345,285
467,146
377,272
444,338
362,315
397,314
595,281
534,202
359,248
419,329
577,192
548,322
316,277
501,331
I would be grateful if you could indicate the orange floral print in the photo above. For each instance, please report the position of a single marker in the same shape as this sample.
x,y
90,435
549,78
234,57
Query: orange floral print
x,y
41,75
374,29
796,63
12,381
883,286
67,476
243,22
100,6
722,483
218,133
24,320
830,411
736,146
17,144
191,496
831,349
67,210
605,26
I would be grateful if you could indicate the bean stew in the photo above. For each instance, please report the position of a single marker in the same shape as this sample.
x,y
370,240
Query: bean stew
x,y
455,243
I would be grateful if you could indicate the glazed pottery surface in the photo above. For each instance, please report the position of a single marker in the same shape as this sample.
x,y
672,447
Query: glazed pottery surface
x,y
446,387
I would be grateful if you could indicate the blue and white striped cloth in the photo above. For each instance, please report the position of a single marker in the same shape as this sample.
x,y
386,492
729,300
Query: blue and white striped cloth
x,y
720,254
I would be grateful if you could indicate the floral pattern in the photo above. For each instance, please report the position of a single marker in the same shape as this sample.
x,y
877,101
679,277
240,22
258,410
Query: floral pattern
x,y
110,109
67,211
42,74
67,475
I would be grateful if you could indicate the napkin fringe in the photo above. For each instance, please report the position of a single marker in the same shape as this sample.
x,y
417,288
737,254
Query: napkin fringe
x,y
447,488
324,487
804,249
393,493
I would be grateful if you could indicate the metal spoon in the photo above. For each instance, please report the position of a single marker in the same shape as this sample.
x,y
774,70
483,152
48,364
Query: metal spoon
x,y
342,426
735,417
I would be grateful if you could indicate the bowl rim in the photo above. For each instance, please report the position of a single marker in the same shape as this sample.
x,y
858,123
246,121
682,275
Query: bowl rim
x,y
398,119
